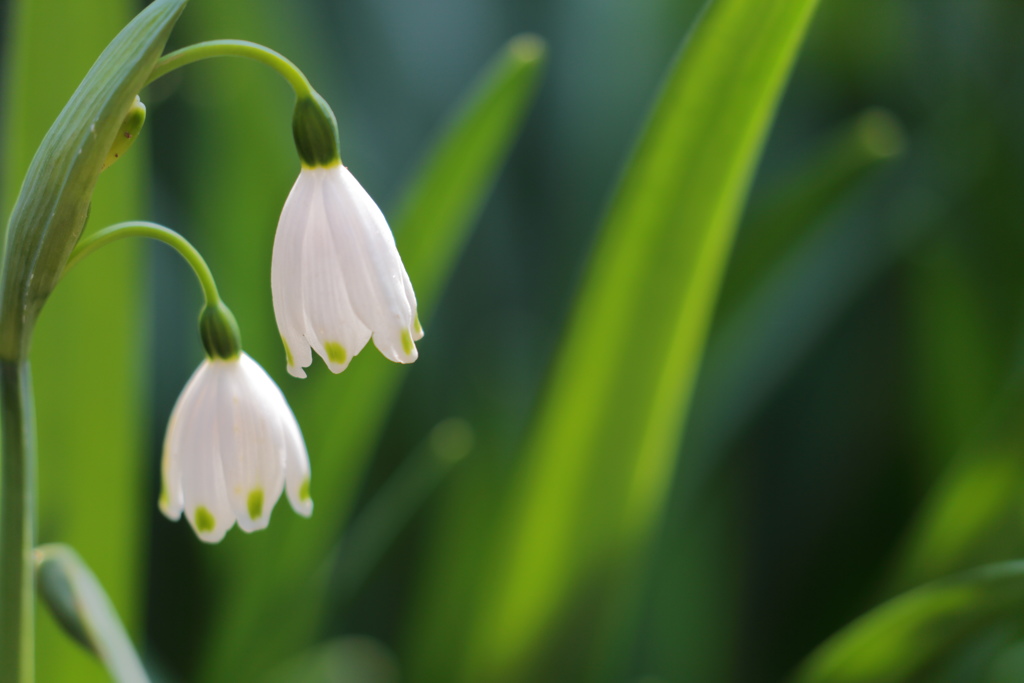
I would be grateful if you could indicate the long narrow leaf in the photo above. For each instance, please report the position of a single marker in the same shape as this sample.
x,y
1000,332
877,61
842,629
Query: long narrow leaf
x,y
601,454
900,640
972,514
79,603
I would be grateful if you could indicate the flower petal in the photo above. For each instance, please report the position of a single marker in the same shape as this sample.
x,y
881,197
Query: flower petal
x,y
202,478
286,268
374,275
251,443
171,500
297,473
332,328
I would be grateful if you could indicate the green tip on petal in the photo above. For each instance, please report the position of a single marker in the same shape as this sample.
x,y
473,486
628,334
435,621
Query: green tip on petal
x,y
288,354
204,520
255,503
416,327
164,499
407,344
304,491
335,352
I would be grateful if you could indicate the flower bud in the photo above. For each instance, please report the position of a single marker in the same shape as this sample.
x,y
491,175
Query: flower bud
x,y
316,132
127,133
219,332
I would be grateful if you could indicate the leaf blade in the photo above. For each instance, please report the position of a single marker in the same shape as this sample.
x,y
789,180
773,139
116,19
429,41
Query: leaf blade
x,y
52,207
79,603
901,638
656,269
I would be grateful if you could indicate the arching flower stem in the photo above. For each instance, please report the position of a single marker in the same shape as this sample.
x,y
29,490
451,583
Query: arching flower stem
x,y
157,232
234,48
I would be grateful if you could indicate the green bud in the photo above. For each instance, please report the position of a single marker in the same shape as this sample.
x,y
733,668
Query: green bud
x,y
316,132
126,135
219,332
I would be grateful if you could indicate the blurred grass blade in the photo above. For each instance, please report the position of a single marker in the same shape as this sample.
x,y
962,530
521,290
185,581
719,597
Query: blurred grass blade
x,y
972,514
792,275
344,660
602,451
431,229
86,445
908,636
775,228
78,602
391,508
457,177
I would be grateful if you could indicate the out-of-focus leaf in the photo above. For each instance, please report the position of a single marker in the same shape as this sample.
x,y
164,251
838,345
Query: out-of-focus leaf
x,y
960,351
602,451
345,660
904,638
88,347
393,506
275,587
793,273
79,603
973,513
776,228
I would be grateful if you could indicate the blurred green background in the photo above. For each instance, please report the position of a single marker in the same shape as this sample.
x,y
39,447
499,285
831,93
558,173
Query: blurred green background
x,y
855,430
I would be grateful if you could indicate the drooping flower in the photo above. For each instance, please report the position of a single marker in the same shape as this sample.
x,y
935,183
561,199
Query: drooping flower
x,y
336,275
232,446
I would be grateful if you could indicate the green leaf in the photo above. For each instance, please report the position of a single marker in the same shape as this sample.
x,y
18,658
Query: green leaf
x,y
92,334
393,506
78,601
431,228
352,660
972,513
53,205
456,179
598,461
780,224
902,639
793,273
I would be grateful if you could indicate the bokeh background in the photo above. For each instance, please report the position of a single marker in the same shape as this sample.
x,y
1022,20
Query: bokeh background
x,y
854,431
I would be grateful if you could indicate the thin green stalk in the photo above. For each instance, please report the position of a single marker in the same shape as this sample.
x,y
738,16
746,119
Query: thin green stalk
x,y
17,523
157,232
234,48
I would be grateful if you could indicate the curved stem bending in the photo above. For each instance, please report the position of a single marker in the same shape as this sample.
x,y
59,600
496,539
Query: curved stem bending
x,y
234,48
153,231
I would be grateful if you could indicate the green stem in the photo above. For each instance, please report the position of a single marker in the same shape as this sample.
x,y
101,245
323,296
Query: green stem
x,y
154,231
234,48
17,523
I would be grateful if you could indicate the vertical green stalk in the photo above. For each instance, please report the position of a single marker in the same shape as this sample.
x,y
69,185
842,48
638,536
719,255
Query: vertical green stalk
x,y
17,523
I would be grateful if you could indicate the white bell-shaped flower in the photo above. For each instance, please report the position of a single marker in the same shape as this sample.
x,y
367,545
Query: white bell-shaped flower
x,y
336,276
232,445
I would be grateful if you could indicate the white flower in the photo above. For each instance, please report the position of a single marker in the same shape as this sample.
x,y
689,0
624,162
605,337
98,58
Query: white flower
x,y
336,275
232,445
